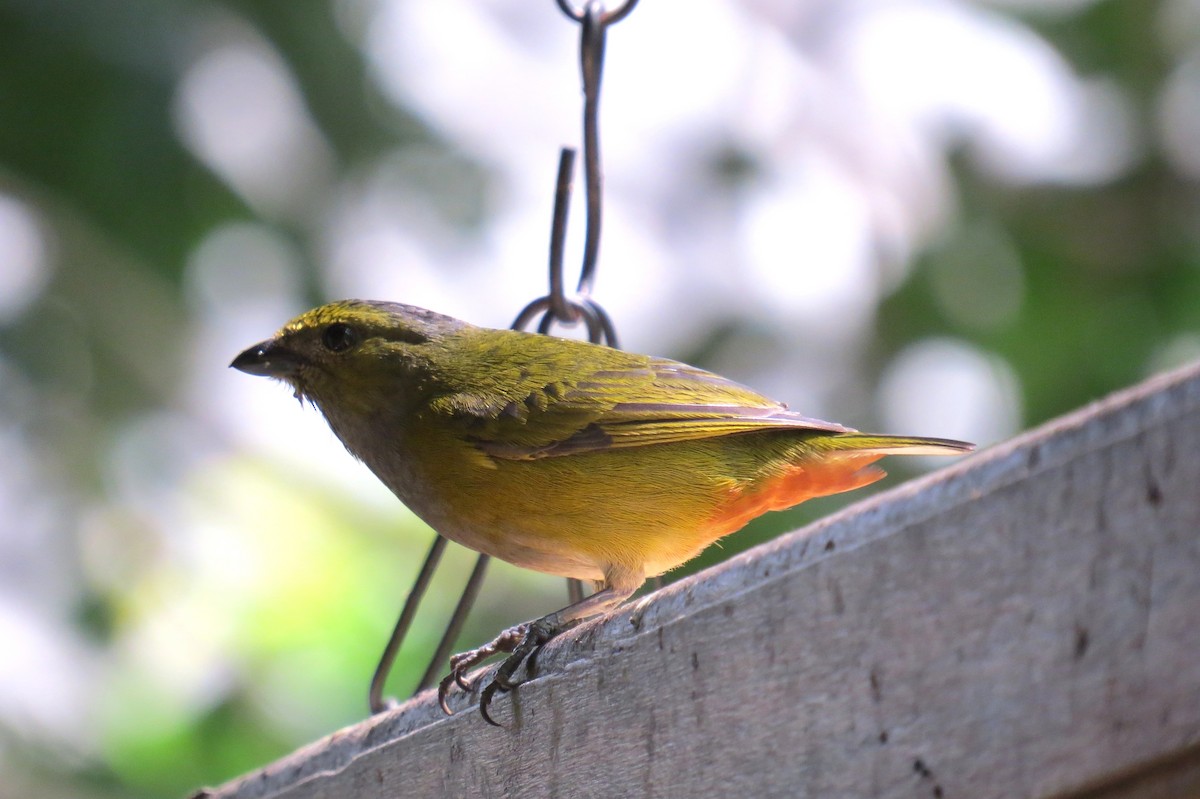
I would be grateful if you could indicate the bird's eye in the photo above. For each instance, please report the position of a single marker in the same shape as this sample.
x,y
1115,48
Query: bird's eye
x,y
339,337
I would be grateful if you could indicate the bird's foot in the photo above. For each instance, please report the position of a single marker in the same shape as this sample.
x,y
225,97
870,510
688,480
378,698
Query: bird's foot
x,y
463,662
520,642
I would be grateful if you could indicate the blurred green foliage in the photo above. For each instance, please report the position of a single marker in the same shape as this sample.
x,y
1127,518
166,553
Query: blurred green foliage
x,y
1111,292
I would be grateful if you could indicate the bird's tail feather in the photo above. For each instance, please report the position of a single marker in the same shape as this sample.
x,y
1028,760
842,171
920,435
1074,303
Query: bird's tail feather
x,y
897,445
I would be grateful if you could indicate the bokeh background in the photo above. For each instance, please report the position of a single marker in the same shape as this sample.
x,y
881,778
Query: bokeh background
x,y
925,216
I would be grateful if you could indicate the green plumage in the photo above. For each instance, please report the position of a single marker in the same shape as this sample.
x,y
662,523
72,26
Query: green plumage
x,y
555,454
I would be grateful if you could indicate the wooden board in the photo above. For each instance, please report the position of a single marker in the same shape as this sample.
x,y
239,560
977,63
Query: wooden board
x,y
1023,623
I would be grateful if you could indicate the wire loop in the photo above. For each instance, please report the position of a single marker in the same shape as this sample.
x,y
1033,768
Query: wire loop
x,y
609,18
557,307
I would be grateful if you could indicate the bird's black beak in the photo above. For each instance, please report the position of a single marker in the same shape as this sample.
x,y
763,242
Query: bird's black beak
x,y
268,359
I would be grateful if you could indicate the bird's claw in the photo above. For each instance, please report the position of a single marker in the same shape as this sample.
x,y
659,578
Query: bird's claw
x,y
520,642
461,663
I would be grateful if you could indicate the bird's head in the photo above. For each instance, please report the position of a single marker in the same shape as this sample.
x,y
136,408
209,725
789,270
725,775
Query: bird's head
x,y
342,351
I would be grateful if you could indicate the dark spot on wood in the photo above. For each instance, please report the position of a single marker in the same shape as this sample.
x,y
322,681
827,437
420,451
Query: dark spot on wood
x,y
921,769
379,776
829,546
883,737
1153,493
839,604
695,661
660,639
1081,641
876,687
728,610
1035,458
937,791
650,748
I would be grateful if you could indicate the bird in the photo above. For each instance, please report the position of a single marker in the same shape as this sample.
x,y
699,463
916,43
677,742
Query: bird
x,y
557,455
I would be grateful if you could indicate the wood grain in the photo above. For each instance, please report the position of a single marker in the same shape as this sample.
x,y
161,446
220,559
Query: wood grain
x,y
1023,623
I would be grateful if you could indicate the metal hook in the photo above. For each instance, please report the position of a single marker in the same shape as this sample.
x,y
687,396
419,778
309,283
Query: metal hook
x,y
591,64
555,307
457,620
594,22
375,698
559,303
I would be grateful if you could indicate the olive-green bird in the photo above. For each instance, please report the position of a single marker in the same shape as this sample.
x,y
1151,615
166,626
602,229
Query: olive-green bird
x,y
558,455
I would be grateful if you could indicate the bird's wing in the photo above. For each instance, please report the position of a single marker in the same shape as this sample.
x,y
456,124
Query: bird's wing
x,y
612,400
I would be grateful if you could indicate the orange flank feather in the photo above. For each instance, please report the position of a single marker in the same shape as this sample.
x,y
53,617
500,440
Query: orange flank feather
x,y
797,483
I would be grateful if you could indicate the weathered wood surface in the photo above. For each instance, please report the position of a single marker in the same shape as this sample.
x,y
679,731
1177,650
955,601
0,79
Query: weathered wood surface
x,y
1025,623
